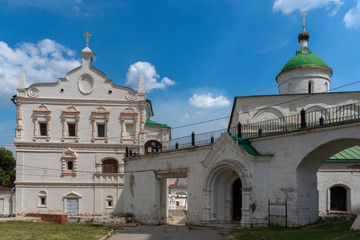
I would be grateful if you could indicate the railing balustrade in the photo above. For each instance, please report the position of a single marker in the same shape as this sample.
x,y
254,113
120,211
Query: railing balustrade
x,y
305,120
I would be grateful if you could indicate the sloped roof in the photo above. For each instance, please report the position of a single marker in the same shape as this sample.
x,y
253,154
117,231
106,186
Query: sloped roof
x,y
348,155
153,123
246,145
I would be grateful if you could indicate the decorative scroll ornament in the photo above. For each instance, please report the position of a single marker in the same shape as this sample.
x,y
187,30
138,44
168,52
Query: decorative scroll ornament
x,y
131,96
33,92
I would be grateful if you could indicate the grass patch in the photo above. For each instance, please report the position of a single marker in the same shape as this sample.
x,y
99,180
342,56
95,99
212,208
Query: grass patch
x,y
321,230
185,211
45,230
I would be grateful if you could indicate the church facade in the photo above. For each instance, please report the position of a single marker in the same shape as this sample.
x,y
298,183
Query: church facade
x,y
72,136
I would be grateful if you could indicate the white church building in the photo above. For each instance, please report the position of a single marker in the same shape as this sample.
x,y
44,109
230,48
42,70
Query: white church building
x,y
72,136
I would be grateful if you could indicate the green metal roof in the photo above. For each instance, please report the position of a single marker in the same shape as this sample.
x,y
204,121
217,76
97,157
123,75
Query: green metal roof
x,y
348,155
152,123
304,59
246,145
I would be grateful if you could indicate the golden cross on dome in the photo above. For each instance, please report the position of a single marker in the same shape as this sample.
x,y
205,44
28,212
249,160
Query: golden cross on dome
x,y
87,36
304,15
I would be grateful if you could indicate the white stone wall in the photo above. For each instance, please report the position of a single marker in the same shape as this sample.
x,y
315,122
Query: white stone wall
x,y
339,174
296,81
253,109
92,199
286,170
7,202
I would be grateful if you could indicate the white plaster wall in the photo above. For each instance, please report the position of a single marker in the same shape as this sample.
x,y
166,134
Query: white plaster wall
x,y
5,197
293,167
340,174
92,200
143,200
246,109
200,163
295,81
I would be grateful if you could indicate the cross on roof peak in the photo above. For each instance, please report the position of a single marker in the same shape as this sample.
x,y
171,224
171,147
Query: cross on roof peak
x,y
304,15
87,35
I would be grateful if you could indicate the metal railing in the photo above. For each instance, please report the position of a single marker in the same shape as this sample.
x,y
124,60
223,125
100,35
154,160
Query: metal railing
x,y
305,120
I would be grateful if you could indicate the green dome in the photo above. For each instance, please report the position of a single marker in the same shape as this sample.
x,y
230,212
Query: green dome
x,y
302,60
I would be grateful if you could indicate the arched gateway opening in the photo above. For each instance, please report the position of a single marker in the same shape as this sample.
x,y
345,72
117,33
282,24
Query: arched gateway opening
x,y
307,182
226,194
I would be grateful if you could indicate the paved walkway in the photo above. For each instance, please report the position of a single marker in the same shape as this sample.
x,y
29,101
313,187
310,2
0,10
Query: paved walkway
x,y
176,217
167,232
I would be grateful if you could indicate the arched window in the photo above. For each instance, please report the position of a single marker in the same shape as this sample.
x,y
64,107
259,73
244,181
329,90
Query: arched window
x,y
42,199
109,166
152,146
309,87
326,87
109,201
338,198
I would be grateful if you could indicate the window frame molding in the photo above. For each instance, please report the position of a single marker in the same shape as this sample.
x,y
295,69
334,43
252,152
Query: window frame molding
x,y
41,115
348,198
107,200
111,159
100,116
42,193
68,155
71,115
129,115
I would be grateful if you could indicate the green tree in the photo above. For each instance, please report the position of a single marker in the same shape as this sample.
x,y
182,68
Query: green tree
x,y
7,167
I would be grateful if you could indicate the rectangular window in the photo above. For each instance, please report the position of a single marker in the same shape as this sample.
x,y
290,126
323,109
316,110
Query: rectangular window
x,y
72,129
70,165
43,129
101,130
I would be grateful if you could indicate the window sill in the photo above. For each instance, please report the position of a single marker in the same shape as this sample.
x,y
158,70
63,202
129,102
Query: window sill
x,y
338,212
42,206
68,173
47,138
106,139
75,138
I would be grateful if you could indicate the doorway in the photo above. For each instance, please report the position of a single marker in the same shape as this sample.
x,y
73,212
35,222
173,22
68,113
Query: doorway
x,y
73,206
237,200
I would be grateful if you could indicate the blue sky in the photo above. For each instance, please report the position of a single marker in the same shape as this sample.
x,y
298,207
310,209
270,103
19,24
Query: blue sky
x,y
196,55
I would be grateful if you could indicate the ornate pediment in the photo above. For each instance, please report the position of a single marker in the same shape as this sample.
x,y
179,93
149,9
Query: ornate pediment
x,y
100,110
42,109
72,194
69,153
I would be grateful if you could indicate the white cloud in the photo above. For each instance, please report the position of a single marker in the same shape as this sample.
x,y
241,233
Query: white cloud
x,y
44,61
151,78
352,17
288,6
208,101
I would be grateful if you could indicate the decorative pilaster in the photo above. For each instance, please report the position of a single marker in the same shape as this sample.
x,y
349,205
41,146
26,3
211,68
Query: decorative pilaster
x,y
245,209
18,129
206,207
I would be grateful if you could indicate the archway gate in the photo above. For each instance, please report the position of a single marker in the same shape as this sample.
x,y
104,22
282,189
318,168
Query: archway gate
x,y
284,169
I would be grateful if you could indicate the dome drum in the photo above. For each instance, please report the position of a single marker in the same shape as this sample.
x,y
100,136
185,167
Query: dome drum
x,y
304,80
